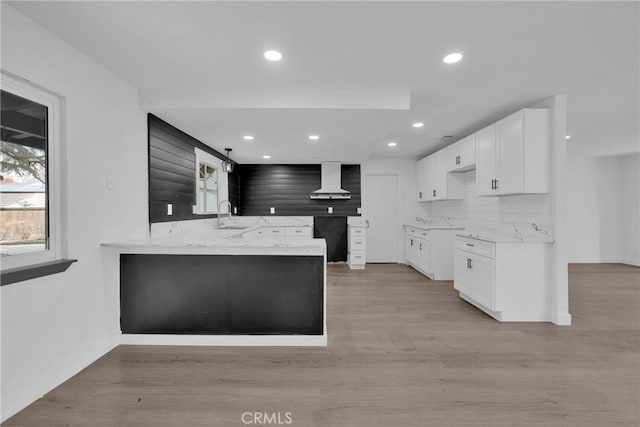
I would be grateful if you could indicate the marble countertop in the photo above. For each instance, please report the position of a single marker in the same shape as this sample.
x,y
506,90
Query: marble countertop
x,y
427,227
506,236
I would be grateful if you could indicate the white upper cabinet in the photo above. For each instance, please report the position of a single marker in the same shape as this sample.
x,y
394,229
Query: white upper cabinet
x,y
512,156
486,161
461,156
434,183
423,168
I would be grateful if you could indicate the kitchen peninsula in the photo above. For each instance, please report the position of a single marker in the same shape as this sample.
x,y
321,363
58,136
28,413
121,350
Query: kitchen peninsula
x,y
221,288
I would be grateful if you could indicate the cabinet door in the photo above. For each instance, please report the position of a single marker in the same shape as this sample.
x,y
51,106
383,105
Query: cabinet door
x,y
453,156
424,261
510,154
421,178
428,177
486,161
483,283
467,152
461,272
439,191
410,250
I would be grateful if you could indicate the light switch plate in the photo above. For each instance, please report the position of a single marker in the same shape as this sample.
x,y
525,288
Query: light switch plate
x,y
359,211
330,209
273,210
169,209
235,210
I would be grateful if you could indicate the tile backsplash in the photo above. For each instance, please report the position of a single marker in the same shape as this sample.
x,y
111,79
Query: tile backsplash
x,y
492,212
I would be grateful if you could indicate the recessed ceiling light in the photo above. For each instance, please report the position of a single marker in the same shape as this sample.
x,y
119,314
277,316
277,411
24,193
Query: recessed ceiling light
x,y
248,137
567,137
314,137
392,144
266,156
417,125
452,58
273,55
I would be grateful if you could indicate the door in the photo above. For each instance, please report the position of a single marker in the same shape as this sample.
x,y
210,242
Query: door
x,y
510,154
380,204
486,161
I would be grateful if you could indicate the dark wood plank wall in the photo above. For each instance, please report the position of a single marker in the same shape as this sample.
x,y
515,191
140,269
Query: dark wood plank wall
x,y
172,171
287,188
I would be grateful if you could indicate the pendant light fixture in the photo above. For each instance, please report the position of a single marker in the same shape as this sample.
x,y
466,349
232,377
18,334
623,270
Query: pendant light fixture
x,y
227,165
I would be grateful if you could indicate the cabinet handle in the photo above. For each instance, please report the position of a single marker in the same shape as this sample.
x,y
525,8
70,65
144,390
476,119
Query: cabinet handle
x,y
420,246
470,263
496,184
420,194
434,193
470,244
411,240
459,159
492,184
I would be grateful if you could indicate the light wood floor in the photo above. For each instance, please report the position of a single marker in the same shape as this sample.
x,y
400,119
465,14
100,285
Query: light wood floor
x,y
403,351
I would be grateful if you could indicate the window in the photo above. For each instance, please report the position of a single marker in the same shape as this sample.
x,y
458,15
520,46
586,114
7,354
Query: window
x,y
207,189
211,184
29,174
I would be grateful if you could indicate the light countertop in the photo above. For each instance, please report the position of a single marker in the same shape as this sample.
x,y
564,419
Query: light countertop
x,y
506,236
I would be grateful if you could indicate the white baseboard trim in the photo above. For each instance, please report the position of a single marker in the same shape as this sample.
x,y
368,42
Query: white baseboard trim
x,y
225,340
561,319
634,262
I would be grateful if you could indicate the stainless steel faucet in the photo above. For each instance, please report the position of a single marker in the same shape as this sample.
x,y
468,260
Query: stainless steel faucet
x,y
229,212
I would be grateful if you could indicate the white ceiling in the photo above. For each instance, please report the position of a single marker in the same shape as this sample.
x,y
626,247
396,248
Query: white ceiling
x,y
359,73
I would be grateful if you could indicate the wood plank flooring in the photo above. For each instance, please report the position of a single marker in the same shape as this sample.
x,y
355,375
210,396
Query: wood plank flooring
x,y
403,351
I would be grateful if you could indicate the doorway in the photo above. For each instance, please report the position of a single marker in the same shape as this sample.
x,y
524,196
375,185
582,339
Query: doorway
x,y
381,208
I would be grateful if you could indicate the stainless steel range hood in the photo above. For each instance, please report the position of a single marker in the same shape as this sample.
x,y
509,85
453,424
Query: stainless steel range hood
x,y
331,180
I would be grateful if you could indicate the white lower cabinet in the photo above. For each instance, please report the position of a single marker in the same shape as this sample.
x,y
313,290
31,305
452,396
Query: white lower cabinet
x,y
356,246
282,232
430,251
507,280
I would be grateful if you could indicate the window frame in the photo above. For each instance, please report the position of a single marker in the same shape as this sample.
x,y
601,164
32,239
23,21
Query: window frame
x,y
56,244
222,179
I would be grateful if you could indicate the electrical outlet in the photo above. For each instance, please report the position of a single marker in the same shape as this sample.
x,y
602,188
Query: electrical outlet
x,y
169,209
330,209
273,210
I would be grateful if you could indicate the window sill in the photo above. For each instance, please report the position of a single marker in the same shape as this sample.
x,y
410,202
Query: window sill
x,y
20,274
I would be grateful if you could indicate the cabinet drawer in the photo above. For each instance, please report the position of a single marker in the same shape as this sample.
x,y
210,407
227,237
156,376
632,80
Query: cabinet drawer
x,y
274,232
475,246
302,232
357,257
418,233
358,231
357,244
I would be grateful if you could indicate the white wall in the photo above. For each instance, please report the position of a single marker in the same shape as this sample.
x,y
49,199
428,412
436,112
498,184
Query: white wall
x,y
54,326
593,204
630,209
